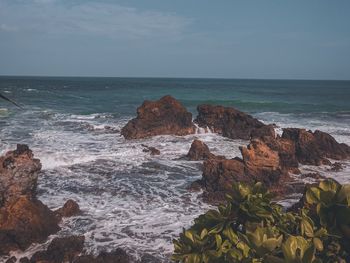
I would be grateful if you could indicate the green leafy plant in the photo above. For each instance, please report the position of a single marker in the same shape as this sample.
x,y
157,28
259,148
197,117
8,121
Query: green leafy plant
x,y
252,228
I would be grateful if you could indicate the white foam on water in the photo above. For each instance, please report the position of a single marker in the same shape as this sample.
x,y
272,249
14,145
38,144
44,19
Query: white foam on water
x,y
129,198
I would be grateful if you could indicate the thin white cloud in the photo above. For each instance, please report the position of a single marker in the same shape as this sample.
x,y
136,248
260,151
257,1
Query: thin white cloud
x,y
91,18
7,28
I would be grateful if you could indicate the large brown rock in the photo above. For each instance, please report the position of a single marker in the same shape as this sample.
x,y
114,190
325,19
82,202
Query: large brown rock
x,y
199,151
286,152
165,116
231,123
259,164
18,174
314,148
24,221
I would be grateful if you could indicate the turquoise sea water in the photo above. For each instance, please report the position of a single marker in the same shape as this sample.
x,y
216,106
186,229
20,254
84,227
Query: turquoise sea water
x,y
129,198
122,95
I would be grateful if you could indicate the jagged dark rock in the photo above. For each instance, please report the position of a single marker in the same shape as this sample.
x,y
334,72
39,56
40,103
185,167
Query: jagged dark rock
x,y
231,123
162,117
24,221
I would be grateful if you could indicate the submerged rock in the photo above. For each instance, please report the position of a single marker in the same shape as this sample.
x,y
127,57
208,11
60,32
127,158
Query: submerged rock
x,y
150,149
231,123
162,117
336,167
199,151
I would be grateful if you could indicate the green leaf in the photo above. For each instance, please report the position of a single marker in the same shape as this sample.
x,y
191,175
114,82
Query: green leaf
x,y
329,185
313,195
218,240
309,254
204,233
318,244
189,235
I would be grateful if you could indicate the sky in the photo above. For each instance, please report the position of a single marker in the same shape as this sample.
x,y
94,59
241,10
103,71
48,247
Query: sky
x,y
269,39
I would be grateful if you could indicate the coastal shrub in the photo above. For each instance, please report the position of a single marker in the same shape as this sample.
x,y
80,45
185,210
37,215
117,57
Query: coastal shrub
x,y
252,228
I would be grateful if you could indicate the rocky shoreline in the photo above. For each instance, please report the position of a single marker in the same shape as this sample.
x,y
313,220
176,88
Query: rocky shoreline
x,y
268,158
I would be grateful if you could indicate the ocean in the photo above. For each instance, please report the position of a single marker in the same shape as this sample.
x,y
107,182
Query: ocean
x,y
129,198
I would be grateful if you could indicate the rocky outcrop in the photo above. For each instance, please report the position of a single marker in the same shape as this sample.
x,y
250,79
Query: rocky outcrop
x,y
286,152
64,249
116,256
23,218
314,148
260,163
162,117
231,123
18,174
70,208
199,151
24,221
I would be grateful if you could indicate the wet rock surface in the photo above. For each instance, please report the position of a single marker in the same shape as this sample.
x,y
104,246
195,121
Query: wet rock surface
x,y
18,174
314,148
116,256
23,218
260,163
70,208
231,123
199,151
64,249
162,117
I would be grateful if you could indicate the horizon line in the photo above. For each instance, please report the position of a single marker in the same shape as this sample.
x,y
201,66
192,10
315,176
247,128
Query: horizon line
x,y
142,77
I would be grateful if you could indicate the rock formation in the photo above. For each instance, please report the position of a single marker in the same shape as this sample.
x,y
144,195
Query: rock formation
x,y
18,174
199,151
70,208
24,221
269,159
231,123
314,148
64,249
23,218
165,116
286,152
259,163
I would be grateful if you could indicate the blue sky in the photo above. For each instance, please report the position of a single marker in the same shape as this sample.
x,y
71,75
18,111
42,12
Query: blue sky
x,y
282,39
